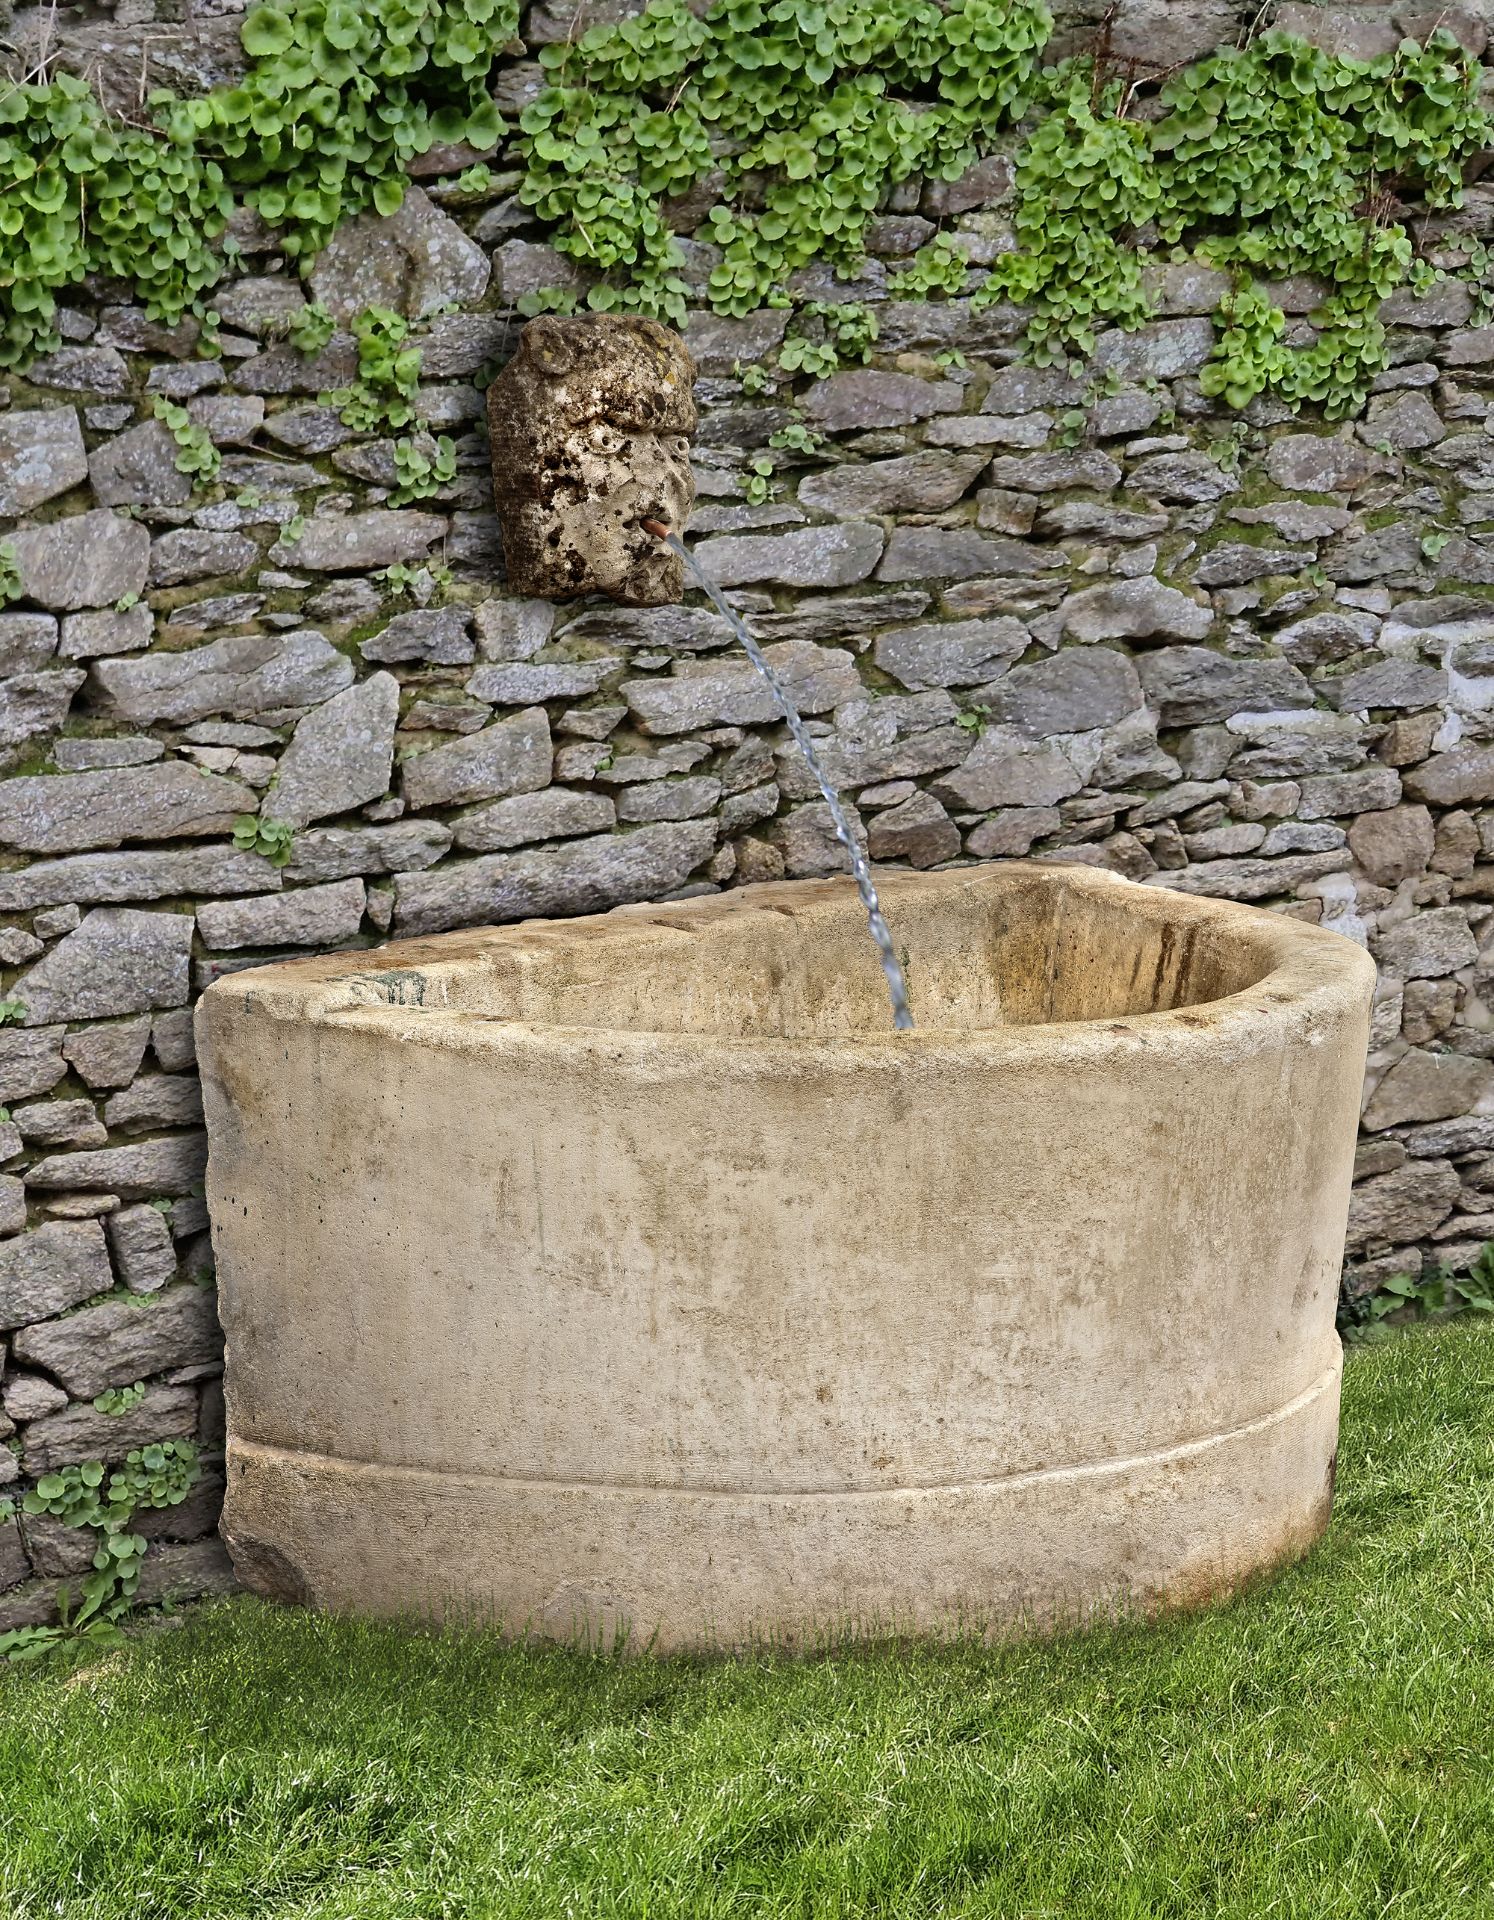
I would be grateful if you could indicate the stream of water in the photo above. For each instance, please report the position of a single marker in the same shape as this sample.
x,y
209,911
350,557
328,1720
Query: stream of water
x,y
897,986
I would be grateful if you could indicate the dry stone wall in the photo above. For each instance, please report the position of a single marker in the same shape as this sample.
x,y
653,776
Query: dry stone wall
x,y
1068,614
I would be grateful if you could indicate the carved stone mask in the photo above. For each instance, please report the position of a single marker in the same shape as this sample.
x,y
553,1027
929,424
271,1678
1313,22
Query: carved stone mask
x,y
590,424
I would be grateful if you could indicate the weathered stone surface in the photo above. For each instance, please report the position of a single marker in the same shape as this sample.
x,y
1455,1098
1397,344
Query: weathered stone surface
x,y
120,1342
590,423
355,542
1055,472
138,469
588,876
52,1268
300,917
89,560
1463,773
106,630
1433,943
138,1172
1161,351
150,875
509,756
108,1055
957,553
119,960
243,674
809,557
1319,463
923,482
867,397
41,456
193,553
30,1062
557,813
956,653
76,811
526,683
1187,479
414,261
36,703
332,853
1388,683
1234,562
156,1100
1079,688
1428,1086
1367,790
1190,685
60,1123
82,1433
436,634
340,755
728,692
918,831
684,799
1395,1208
27,641
1139,609
1007,768
718,343
1249,879
140,1240
1393,844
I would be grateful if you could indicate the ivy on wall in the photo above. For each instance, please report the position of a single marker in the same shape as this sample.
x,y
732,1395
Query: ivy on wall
x,y
787,123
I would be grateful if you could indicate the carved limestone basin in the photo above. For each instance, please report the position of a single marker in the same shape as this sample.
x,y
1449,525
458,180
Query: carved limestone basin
x,y
629,1274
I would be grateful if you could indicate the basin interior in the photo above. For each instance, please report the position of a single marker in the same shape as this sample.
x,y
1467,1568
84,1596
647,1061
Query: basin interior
x,y
1014,946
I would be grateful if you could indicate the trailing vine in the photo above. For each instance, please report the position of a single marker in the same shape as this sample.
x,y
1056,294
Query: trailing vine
x,y
784,125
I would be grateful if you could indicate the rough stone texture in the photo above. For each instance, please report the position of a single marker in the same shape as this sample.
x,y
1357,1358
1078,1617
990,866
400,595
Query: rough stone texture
x,y
119,960
303,917
415,261
340,755
510,756
140,1241
90,560
119,1342
678,1101
80,810
590,424
41,455
241,675
50,1269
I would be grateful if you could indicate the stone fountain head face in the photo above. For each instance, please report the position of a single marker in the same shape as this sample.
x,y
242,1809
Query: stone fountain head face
x,y
590,424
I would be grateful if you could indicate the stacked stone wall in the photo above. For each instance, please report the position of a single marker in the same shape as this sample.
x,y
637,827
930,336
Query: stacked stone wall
x,y
1073,614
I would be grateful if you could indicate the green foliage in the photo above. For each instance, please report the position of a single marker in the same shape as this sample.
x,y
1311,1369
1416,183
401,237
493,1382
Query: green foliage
x,y
196,454
797,438
1436,1293
825,334
424,465
757,482
311,329
420,584
91,1495
12,1012
940,267
1275,159
120,1399
10,573
384,393
822,106
272,838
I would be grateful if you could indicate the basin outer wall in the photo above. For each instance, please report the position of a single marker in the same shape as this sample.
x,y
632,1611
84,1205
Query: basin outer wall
x,y
708,1341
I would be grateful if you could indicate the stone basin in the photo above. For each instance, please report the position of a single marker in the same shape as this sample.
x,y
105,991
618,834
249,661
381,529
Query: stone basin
x,y
629,1276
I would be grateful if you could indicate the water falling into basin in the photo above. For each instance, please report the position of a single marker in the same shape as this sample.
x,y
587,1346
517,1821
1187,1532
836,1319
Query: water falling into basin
x,y
897,986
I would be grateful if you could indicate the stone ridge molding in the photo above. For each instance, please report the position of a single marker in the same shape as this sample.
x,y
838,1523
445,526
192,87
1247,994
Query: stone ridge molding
x,y
1080,616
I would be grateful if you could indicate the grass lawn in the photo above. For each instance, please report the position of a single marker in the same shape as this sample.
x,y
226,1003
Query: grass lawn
x,y
1323,1747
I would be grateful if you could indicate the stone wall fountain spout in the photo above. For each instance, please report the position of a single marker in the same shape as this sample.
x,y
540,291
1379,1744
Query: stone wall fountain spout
x,y
590,424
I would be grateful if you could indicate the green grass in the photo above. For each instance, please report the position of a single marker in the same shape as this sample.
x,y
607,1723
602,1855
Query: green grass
x,y
1323,1747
